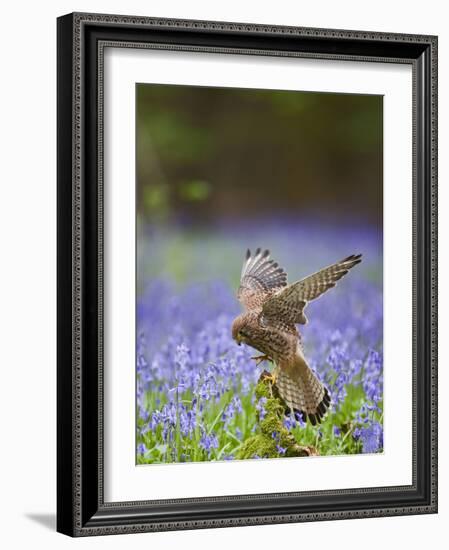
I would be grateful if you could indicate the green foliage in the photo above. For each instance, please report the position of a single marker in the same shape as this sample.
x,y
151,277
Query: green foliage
x,y
250,436
272,439
189,447
194,190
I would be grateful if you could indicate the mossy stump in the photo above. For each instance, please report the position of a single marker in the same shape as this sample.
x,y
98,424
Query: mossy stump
x,y
272,438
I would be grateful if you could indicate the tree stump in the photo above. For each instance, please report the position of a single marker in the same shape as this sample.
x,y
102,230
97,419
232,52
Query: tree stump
x,y
272,439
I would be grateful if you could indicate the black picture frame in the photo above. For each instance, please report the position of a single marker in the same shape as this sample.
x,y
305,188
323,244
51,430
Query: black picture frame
x,y
81,509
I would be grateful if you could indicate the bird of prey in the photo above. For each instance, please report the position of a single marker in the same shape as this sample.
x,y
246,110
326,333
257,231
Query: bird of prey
x,y
272,309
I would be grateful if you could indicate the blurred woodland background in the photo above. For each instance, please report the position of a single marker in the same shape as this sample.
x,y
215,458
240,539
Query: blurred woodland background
x,y
206,154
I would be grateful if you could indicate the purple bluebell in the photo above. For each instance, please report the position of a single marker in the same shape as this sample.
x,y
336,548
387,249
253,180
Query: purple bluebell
x,y
371,437
141,449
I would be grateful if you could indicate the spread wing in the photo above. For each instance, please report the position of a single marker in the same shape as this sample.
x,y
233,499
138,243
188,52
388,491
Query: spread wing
x,y
288,304
260,278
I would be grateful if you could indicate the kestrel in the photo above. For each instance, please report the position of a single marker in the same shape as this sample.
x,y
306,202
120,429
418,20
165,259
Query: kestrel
x,y
272,310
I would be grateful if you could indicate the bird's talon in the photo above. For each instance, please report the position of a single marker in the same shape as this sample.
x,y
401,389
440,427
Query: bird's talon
x,y
259,358
269,378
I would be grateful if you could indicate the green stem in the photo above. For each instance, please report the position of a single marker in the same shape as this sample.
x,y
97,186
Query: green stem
x,y
178,429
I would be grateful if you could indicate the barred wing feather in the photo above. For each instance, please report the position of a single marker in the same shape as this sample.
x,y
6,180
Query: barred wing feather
x,y
260,277
288,304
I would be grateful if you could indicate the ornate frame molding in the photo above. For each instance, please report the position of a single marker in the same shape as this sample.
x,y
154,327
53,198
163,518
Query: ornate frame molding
x,y
81,41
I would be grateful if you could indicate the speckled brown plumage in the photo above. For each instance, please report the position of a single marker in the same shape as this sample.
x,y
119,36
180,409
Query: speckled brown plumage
x,y
268,324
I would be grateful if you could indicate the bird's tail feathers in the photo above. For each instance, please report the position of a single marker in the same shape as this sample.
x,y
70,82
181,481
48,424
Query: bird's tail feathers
x,y
302,392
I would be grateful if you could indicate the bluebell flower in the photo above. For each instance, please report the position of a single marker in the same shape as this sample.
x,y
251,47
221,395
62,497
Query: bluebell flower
x,y
289,422
300,419
141,449
209,442
371,437
182,356
261,408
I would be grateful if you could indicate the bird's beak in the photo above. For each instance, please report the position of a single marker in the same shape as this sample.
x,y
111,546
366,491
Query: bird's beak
x,y
238,339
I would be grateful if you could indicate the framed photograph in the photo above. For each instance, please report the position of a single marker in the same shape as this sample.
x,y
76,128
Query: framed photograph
x,y
247,247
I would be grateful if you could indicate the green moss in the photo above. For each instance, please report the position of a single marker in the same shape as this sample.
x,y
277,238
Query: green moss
x,y
258,446
271,433
263,389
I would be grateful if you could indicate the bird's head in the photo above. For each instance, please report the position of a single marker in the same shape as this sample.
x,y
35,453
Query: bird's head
x,y
239,330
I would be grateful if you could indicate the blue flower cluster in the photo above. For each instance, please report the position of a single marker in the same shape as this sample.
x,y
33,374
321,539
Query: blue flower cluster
x,y
195,386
